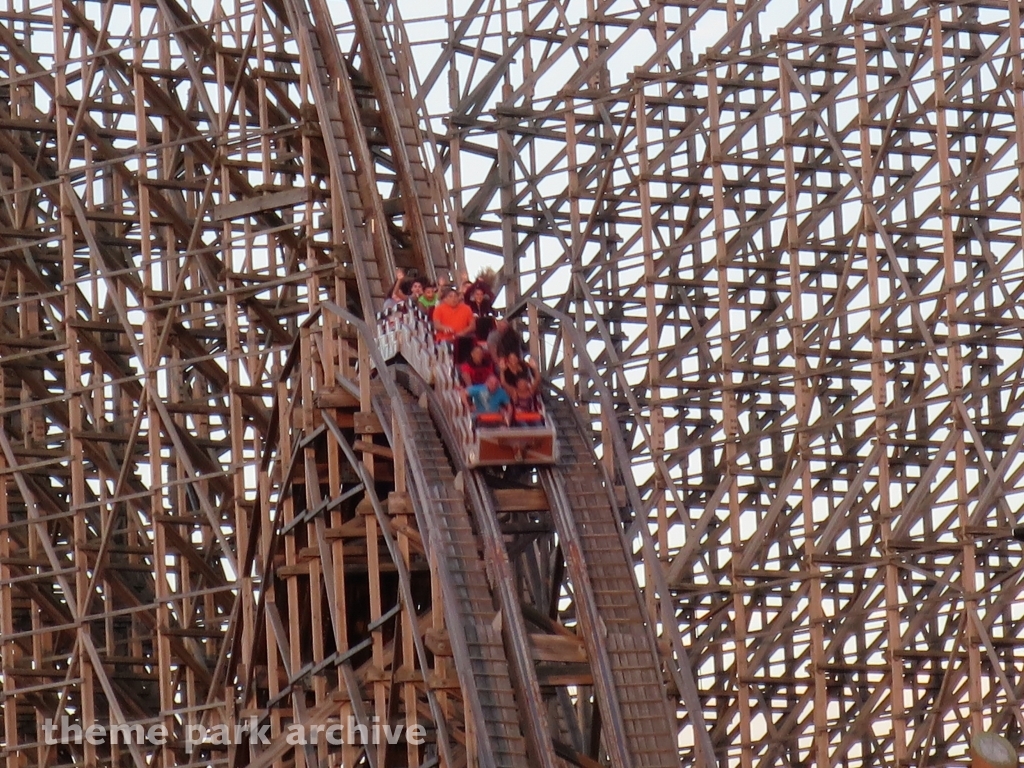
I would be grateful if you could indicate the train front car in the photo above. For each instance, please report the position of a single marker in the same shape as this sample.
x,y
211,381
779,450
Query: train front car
x,y
501,444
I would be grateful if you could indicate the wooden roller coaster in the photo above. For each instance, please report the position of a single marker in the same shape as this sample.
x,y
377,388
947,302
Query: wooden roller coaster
x,y
768,257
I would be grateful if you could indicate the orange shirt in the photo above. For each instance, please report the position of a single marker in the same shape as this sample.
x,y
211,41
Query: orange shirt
x,y
457,319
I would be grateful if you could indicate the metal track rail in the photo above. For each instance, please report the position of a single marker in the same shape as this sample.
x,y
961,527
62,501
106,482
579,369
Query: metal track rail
x,y
472,621
640,729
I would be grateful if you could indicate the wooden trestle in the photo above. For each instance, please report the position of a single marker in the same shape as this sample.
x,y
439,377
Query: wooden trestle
x,y
768,256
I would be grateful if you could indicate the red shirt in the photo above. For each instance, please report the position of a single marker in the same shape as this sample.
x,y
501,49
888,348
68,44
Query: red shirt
x,y
477,374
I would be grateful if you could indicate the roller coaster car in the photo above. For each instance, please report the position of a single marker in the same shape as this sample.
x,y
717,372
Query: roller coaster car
x,y
529,439
486,439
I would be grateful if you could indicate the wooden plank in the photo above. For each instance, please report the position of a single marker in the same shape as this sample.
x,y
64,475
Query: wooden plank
x,y
271,201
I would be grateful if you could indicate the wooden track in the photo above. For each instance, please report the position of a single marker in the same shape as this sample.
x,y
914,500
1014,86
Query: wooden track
x,y
472,620
614,622
638,725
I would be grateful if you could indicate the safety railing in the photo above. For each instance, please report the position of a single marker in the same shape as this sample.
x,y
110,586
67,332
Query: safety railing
x,y
406,330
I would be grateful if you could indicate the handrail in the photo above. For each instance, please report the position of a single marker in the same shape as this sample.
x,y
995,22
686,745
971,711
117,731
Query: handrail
x,y
405,329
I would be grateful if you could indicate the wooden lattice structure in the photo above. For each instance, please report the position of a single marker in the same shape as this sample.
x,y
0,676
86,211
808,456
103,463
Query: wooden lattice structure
x,y
770,254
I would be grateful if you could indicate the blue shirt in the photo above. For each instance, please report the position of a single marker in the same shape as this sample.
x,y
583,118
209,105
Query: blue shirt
x,y
485,401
